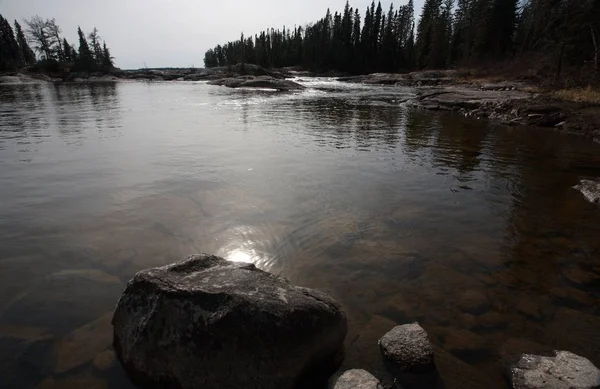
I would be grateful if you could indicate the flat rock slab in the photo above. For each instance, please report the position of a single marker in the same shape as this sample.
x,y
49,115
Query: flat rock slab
x,y
210,323
266,82
564,371
590,190
408,348
357,379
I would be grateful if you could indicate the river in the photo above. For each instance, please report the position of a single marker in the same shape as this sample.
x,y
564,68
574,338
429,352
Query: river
x,y
470,228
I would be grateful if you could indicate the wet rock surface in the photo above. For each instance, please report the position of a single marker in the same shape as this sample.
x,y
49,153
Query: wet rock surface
x,y
590,190
357,379
563,371
408,348
266,82
185,324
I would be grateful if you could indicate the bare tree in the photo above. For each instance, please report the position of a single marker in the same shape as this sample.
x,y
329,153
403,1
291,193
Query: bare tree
x,y
44,34
54,31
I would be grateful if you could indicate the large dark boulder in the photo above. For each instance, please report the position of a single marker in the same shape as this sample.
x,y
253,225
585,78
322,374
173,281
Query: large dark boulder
x,y
210,323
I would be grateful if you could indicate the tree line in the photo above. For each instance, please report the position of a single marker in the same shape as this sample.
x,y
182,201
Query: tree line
x,y
50,49
556,34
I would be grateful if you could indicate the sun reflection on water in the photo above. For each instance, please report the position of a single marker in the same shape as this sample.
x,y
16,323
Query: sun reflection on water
x,y
240,255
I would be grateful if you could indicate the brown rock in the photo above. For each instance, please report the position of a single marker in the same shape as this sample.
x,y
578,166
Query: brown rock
x,y
83,345
457,340
471,300
70,297
457,374
81,381
104,360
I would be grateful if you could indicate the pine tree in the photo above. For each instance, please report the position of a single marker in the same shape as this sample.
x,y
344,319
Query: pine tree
x,y
27,54
67,51
95,47
107,59
10,55
426,32
85,59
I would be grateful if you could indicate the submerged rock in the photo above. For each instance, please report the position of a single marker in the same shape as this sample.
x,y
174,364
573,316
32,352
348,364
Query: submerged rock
x,y
564,371
210,323
357,379
408,348
70,297
83,345
590,190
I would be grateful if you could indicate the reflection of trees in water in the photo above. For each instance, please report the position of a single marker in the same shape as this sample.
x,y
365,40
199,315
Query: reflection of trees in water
x,y
455,142
549,225
22,108
79,105
345,123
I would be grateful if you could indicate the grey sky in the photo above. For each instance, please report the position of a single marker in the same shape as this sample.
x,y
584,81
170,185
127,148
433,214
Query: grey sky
x,y
174,32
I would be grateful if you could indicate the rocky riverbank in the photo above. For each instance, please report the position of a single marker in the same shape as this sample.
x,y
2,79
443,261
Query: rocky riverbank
x,y
238,76
207,322
508,102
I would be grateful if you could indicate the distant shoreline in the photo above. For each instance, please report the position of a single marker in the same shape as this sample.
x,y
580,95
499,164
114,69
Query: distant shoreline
x,y
508,101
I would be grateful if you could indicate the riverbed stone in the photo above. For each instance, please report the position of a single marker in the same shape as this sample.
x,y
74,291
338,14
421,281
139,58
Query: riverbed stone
x,y
65,300
408,348
472,301
82,345
104,360
210,323
590,190
357,379
459,340
563,371
84,380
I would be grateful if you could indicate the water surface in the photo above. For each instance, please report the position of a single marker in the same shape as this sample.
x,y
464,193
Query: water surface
x,y
402,215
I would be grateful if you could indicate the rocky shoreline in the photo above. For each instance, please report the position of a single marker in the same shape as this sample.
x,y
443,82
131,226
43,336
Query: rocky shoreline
x,y
238,76
506,102
207,322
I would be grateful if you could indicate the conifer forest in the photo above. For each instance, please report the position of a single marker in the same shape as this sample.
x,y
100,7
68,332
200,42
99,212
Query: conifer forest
x,y
554,35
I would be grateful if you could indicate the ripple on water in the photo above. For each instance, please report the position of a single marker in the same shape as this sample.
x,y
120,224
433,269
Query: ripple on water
x,y
403,215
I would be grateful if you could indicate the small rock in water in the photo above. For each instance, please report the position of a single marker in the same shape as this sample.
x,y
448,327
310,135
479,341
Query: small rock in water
x,y
357,379
590,190
564,371
408,348
210,323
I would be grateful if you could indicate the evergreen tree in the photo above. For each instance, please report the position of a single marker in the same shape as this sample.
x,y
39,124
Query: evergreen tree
x,y
10,54
85,58
426,33
96,47
356,42
68,51
27,54
107,59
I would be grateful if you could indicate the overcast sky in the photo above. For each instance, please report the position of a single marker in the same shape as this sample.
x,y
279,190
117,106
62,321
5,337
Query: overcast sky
x,y
174,32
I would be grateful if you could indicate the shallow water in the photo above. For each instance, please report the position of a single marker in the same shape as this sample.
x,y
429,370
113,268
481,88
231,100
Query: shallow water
x,y
402,215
